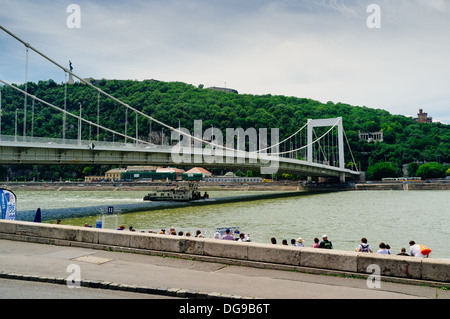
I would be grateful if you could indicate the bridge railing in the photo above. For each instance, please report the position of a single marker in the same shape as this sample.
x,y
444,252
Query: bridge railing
x,y
14,140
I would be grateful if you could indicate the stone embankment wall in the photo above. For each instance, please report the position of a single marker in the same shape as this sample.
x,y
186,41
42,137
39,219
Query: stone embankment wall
x,y
312,260
381,186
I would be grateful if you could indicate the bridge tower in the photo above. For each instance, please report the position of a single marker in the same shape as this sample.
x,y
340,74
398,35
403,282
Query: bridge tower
x,y
325,123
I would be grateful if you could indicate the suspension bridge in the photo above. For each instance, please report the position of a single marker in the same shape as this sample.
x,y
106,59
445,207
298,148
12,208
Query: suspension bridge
x,y
308,152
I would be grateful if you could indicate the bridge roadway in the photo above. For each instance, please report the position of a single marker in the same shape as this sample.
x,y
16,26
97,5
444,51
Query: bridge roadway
x,y
196,279
44,151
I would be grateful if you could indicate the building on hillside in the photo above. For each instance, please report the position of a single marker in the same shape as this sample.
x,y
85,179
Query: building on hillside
x,y
223,89
371,136
423,117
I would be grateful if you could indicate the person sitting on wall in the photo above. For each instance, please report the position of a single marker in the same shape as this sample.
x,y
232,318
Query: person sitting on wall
x,y
228,235
325,243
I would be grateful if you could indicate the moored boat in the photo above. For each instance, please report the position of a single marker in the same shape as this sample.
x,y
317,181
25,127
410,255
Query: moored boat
x,y
179,193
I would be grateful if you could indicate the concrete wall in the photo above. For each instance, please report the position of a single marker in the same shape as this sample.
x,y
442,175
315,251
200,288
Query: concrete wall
x,y
263,255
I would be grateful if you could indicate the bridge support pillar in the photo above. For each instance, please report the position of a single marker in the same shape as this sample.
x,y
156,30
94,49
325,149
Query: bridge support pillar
x,y
342,177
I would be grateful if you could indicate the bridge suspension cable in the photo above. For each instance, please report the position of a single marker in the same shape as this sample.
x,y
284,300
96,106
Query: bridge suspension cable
x,y
66,112
127,106
305,146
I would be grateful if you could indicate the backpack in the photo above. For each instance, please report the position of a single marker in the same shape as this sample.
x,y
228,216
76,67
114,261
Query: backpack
x,y
364,248
327,245
424,250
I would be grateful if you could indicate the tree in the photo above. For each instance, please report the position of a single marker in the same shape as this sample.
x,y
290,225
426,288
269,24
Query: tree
x,y
382,170
431,170
412,169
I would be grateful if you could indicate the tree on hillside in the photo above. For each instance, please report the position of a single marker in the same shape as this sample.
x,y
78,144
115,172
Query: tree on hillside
x,y
405,140
382,170
431,170
412,168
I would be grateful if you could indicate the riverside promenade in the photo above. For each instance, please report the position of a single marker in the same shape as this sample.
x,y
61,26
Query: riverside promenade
x,y
185,278
33,252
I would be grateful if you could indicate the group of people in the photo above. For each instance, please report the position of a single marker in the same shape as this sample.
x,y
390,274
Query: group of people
x,y
230,236
415,250
173,232
300,242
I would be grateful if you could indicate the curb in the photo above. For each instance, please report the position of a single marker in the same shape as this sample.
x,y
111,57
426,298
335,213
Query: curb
x,y
161,291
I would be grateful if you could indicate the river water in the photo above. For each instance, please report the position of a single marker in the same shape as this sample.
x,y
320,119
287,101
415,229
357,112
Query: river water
x,y
393,217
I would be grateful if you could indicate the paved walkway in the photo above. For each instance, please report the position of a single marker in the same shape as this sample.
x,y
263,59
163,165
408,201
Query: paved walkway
x,y
187,278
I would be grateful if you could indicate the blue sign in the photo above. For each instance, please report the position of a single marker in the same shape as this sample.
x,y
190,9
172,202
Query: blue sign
x,y
7,204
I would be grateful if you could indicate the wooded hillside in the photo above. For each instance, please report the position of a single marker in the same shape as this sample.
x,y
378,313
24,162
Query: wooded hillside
x,y
405,140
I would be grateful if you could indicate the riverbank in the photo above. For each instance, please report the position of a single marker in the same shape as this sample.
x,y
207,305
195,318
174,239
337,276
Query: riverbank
x,y
279,186
404,186
145,186
346,216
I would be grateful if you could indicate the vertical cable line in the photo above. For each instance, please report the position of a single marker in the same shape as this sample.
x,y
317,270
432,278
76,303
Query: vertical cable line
x,y
25,97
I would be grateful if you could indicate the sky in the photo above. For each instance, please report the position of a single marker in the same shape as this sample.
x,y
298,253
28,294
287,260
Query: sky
x,y
394,57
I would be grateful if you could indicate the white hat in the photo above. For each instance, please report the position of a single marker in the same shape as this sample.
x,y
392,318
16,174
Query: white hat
x,y
324,236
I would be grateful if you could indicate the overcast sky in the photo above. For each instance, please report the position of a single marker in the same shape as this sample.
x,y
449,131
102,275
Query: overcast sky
x,y
318,49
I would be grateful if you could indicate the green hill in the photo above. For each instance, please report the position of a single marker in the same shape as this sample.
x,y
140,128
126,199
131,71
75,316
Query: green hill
x,y
405,140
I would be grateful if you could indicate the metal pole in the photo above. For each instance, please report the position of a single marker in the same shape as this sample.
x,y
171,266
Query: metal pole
x,y
150,133
309,142
79,127
137,130
98,115
32,119
65,107
15,129
25,97
126,122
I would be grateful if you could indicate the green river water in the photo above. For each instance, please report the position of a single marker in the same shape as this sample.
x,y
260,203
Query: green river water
x,y
393,217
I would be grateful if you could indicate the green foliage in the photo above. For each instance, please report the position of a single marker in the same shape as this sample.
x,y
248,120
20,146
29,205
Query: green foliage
x,y
412,169
382,170
431,170
405,140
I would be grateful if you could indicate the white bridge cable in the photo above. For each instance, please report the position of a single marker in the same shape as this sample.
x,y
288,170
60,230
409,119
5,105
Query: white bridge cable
x,y
348,145
305,146
68,113
272,146
27,45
